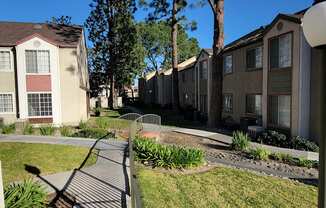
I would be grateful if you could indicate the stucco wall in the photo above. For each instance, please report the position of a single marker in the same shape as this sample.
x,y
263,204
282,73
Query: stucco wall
x,y
241,82
73,98
295,84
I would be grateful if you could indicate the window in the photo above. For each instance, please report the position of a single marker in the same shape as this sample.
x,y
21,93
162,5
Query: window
x,y
203,70
255,58
37,61
6,103
253,104
281,51
40,104
5,63
228,64
227,103
280,111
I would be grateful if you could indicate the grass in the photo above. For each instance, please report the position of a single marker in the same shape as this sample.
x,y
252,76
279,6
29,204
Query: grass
x,y
109,120
48,158
222,187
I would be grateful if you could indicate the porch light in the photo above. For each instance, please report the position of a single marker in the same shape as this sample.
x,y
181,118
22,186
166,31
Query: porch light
x,y
314,24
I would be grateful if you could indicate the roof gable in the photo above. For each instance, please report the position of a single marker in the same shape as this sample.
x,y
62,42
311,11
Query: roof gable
x,y
12,33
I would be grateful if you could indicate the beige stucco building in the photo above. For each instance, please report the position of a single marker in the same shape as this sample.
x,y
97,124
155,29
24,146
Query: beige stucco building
x,y
43,73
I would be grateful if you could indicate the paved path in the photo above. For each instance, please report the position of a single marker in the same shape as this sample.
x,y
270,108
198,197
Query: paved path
x,y
105,184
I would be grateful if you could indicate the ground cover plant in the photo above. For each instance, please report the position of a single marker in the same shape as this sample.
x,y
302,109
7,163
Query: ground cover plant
x,y
222,187
48,158
25,195
167,156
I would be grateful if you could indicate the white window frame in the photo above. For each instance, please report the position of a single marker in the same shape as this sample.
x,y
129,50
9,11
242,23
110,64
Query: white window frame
x,y
42,92
230,109
13,103
11,60
38,73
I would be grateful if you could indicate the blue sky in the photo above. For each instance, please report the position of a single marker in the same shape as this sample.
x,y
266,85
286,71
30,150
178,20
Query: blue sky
x,y
241,16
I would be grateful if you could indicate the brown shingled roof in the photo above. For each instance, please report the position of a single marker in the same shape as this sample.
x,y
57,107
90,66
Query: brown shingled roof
x,y
12,33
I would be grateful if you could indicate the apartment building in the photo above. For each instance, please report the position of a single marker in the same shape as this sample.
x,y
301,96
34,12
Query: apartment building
x,y
203,69
43,73
271,75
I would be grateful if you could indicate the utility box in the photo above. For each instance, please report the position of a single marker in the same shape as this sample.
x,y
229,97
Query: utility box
x,y
247,121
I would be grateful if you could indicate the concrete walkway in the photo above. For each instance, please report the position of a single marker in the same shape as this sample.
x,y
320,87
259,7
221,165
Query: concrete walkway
x,y
105,184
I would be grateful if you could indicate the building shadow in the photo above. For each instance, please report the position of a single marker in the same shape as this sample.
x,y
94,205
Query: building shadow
x,y
85,189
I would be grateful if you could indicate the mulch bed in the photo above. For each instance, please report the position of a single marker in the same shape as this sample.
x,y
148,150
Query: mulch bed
x,y
219,153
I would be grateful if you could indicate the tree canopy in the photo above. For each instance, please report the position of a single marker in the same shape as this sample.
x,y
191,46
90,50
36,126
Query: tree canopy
x,y
115,48
155,38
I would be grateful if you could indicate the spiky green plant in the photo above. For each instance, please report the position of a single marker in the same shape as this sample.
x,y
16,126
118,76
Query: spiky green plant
x,y
240,141
28,129
47,130
25,195
65,131
259,153
168,156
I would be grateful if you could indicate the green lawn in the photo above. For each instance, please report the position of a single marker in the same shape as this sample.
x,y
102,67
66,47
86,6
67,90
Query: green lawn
x,y
48,158
222,187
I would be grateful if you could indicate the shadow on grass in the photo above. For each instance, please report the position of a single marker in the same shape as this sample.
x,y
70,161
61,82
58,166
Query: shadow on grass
x,y
85,189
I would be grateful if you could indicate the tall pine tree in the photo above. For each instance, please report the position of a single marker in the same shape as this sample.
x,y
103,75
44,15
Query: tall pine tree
x,y
113,34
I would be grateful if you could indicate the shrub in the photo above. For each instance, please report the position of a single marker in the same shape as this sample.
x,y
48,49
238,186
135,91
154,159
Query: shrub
x,y
25,194
259,153
165,155
65,131
240,141
8,129
282,157
28,129
304,144
47,130
94,133
305,163
82,125
97,112
274,138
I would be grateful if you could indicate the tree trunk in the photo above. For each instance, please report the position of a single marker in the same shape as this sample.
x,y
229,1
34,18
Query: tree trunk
x,y
132,94
215,111
174,35
112,92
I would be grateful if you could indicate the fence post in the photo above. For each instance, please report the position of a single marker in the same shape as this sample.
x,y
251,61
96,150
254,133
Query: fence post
x,y
2,198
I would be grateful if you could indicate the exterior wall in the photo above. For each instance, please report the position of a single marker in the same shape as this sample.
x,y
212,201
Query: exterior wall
x,y
37,43
187,88
294,72
8,85
71,95
167,89
241,82
202,84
